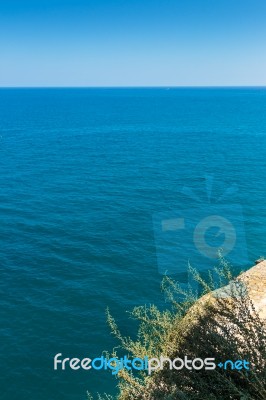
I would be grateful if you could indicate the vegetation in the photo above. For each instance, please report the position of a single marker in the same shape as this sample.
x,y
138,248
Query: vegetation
x,y
225,328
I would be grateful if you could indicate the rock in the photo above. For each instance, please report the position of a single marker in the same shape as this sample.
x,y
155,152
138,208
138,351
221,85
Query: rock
x,y
259,260
255,281
251,282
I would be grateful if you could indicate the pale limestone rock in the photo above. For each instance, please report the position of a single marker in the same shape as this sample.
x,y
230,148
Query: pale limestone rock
x,y
252,282
255,281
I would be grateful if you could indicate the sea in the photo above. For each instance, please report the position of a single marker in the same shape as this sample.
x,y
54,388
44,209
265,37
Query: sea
x,y
101,192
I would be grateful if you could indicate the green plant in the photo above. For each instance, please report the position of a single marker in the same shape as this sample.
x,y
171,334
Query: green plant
x,y
223,327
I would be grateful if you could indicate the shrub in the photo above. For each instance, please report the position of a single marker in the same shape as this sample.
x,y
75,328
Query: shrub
x,y
222,327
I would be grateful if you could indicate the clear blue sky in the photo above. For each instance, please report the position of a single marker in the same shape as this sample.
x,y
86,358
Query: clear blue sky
x,y
132,43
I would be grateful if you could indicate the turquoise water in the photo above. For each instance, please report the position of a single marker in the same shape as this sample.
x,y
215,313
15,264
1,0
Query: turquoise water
x,y
83,173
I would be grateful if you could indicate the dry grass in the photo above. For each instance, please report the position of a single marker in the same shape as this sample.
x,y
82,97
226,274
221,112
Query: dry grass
x,y
227,328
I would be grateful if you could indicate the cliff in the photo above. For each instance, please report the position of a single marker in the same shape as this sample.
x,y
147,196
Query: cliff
x,y
250,284
255,281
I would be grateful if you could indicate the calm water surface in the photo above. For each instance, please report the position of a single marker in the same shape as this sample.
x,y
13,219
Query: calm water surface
x,y
82,171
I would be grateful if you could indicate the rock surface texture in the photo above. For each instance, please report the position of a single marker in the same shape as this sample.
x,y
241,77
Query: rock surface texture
x,y
252,282
255,281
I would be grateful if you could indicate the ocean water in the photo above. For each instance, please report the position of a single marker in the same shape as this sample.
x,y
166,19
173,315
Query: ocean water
x,y
83,172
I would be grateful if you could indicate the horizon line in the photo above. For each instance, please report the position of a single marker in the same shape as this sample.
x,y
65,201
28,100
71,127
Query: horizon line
x,y
134,87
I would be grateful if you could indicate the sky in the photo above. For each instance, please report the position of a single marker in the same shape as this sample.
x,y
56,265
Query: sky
x,y
132,43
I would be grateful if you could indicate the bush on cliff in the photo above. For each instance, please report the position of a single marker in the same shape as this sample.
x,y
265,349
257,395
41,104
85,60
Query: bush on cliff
x,y
225,329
